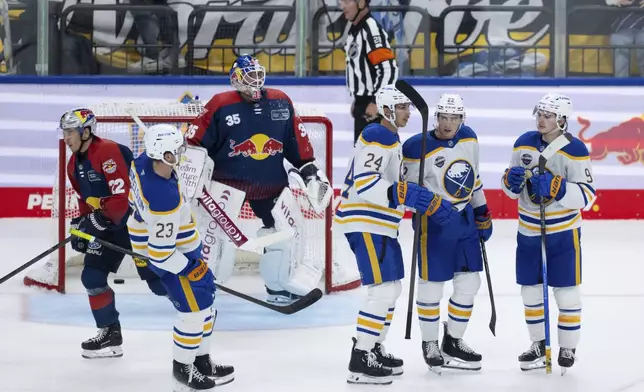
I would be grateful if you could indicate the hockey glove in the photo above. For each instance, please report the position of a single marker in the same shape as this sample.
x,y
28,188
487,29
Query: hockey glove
x,y
78,244
514,179
93,224
411,195
483,219
548,185
315,183
199,274
440,210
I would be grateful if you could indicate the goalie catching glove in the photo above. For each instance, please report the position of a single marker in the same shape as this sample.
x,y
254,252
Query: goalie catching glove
x,y
315,183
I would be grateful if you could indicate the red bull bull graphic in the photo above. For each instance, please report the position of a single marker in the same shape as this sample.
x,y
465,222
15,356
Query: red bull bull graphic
x,y
258,147
625,139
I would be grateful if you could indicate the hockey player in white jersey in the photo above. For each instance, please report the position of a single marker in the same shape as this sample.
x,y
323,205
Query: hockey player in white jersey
x,y
457,219
163,228
567,187
372,206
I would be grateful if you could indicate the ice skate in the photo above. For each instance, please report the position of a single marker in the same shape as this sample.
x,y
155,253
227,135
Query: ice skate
x,y
535,357
388,360
457,354
364,368
187,378
282,297
432,356
222,374
106,344
566,359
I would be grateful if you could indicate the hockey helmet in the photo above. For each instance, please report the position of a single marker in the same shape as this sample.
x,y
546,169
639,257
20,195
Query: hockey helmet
x,y
162,138
558,104
78,119
388,97
247,76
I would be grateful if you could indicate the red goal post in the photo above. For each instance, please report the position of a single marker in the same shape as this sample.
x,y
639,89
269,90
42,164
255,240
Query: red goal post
x,y
115,123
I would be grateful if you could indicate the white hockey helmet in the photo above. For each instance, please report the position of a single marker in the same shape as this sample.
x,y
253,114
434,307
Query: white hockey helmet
x,y
162,138
450,104
555,103
388,97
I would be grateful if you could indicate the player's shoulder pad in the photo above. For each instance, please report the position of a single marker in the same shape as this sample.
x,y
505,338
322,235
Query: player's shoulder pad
x,y
412,148
221,100
109,155
528,139
377,135
466,133
162,196
273,93
576,149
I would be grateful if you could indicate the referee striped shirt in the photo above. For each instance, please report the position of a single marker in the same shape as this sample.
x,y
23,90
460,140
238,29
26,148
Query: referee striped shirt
x,y
370,62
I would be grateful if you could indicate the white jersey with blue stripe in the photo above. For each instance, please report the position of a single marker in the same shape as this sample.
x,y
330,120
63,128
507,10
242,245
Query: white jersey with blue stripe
x,y
365,205
451,167
572,163
161,226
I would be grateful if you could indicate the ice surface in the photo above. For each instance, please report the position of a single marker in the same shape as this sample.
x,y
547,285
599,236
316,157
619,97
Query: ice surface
x,y
40,332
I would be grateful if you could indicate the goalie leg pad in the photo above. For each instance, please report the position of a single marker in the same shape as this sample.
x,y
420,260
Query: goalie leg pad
x,y
101,296
428,304
461,303
569,325
534,315
373,314
279,270
188,334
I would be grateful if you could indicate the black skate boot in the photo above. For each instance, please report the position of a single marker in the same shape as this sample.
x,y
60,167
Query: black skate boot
x,y
282,297
432,356
106,344
566,359
388,360
188,378
364,368
535,357
222,374
458,355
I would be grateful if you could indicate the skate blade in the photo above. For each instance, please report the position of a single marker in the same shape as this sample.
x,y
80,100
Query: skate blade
x,y
359,378
107,352
458,364
534,365
435,369
179,387
396,371
224,380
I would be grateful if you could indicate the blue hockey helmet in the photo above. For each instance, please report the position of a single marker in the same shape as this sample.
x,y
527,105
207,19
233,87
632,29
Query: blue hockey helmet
x,y
247,76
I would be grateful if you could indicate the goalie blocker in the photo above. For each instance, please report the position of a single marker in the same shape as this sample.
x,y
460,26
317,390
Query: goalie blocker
x,y
286,272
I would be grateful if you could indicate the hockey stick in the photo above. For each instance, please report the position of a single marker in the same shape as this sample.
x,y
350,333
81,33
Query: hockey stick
x,y
489,289
228,226
304,302
556,145
35,260
422,107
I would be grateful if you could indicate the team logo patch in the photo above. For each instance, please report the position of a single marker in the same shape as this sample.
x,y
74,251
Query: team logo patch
x,y
353,50
258,147
280,114
459,179
526,159
109,166
439,162
93,245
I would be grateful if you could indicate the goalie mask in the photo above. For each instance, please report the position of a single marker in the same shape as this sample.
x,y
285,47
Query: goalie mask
x,y
247,76
164,138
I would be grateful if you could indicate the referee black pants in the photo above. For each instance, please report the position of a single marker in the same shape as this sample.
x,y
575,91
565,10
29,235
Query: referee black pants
x,y
359,113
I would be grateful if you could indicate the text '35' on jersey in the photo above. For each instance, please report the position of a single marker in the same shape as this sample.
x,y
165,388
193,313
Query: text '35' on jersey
x,y
248,141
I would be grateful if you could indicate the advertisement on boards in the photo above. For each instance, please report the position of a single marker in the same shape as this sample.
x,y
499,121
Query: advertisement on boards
x,y
608,120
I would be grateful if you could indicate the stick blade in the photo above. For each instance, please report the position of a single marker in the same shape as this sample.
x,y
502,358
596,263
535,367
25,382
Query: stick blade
x,y
304,302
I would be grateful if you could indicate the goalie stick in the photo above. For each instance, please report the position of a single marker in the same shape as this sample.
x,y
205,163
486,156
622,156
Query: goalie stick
x,y
233,232
304,302
552,148
35,260
422,107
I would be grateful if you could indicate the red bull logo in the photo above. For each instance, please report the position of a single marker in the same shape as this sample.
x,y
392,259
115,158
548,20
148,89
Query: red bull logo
x,y
625,139
83,114
258,147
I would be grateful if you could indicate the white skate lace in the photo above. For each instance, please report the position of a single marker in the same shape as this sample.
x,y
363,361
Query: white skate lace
x,y
536,348
101,334
372,361
195,374
384,353
567,353
432,349
464,347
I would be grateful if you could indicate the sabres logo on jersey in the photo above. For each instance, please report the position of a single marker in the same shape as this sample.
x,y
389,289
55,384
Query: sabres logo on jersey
x,y
459,179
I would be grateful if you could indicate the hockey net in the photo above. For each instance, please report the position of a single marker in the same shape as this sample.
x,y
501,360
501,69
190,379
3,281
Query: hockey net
x,y
115,123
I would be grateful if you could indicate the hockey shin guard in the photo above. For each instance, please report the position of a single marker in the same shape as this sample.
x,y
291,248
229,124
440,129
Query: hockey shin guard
x,y
569,325
373,314
208,326
101,297
428,304
534,315
188,334
461,304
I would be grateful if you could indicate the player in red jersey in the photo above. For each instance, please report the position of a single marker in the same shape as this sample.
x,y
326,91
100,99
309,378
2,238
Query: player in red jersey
x,y
247,134
99,173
